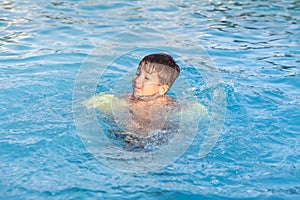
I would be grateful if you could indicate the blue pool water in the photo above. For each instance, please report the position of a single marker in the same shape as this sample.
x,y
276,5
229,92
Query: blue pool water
x,y
254,45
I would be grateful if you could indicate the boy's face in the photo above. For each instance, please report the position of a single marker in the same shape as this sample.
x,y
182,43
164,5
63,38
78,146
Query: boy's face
x,y
146,84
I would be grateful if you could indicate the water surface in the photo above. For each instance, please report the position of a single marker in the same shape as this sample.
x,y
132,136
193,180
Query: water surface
x,y
255,46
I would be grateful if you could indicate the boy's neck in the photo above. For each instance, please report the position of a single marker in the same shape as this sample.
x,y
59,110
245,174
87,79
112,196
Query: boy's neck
x,y
146,98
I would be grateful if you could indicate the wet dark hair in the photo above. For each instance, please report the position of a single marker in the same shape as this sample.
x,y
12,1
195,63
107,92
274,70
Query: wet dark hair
x,y
163,64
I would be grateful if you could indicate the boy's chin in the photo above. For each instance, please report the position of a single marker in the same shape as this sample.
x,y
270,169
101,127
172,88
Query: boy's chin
x,y
137,94
141,94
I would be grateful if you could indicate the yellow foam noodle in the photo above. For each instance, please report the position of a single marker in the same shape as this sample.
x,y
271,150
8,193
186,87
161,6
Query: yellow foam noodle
x,y
106,103
192,112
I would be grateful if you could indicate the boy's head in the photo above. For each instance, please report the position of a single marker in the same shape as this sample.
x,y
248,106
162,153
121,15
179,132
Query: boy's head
x,y
155,75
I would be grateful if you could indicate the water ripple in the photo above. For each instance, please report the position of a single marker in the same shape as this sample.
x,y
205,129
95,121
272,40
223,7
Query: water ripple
x,y
255,44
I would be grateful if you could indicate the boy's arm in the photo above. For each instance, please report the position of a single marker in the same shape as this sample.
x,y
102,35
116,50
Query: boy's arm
x,y
106,103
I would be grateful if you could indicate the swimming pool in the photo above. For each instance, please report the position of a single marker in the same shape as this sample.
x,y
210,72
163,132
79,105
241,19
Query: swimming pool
x,y
254,45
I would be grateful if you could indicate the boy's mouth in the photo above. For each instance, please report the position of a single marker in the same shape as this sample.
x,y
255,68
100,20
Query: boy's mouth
x,y
138,88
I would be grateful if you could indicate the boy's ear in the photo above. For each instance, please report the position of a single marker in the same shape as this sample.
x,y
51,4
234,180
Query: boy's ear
x,y
163,89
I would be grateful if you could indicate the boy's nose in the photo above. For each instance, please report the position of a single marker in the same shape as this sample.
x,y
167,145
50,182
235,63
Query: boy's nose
x,y
138,80
138,84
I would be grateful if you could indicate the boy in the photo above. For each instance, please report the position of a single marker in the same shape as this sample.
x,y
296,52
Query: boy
x,y
147,109
154,77
149,104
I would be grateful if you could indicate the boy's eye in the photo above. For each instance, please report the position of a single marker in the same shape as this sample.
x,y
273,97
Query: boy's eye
x,y
147,78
